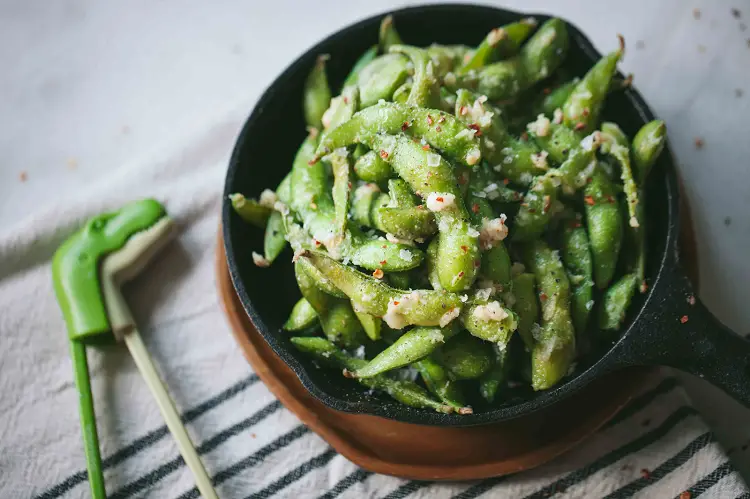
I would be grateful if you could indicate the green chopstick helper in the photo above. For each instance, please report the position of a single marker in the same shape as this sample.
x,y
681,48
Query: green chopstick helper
x,y
87,271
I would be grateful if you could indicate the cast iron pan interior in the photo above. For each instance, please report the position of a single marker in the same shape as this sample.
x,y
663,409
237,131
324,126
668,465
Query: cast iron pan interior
x,y
273,132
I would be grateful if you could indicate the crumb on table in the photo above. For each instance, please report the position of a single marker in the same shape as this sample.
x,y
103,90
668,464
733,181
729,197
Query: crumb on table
x,y
697,13
698,143
23,176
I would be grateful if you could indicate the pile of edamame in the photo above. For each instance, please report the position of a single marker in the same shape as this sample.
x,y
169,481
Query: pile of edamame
x,y
460,217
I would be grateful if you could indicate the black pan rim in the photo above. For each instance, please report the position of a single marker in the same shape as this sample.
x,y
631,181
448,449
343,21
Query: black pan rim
x,y
408,414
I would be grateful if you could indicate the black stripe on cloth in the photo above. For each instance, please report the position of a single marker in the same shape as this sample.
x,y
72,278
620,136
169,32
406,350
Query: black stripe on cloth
x,y
407,489
712,479
612,457
169,467
642,401
303,469
480,488
358,476
663,469
746,495
252,460
150,438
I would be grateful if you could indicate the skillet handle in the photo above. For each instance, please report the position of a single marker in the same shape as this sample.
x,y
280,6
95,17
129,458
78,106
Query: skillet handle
x,y
675,329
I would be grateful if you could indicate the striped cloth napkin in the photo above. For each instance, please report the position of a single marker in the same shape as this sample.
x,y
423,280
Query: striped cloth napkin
x,y
657,447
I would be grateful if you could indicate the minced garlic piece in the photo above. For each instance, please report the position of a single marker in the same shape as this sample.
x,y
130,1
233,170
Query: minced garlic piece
x,y
449,316
490,312
439,201
268,198
540,127
492,232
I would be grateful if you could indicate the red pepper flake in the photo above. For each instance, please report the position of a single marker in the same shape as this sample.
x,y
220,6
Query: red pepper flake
x,y
698,143
475,208
644,287
589,200
547,203
384,246
610,199
405,125
313,205
463,111
586,111
506,181
477,130
589,180
442,118
691,300
426,147
346,100
312,162
383,154
683,319
253,435
438,129
461,274
547,91
525,136
464,248
574,224
477,263
317,243
430,121
462,179
383,262
543,296
685,494
420,207
378,274
645,473
580,126
532,210
349,184
439,199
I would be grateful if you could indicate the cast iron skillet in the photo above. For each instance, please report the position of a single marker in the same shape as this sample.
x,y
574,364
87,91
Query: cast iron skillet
x,y
653,333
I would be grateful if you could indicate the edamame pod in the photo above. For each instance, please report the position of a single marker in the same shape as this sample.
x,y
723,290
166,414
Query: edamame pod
x,y
604,226
648,144
397,308
406,392
380,78
496,376
555,346
616,301
274,238
317,94
465,356
365,59
370,167
388,36
302,317
438,382
412,346
438,129
526,307
576,255
425,91
500,43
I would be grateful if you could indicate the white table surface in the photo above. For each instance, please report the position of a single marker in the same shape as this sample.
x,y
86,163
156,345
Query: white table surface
x,y
89,87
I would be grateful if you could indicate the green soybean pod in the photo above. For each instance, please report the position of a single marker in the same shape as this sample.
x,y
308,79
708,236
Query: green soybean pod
x,y
380,78
363,61
616,301
557,97
605,227
250,210
465,356
371,324
412,346
438,382
336,316
273,239
576,255
526,307
388,36
302,317
555,345
370,167
648,144
401,194
496,376
317,94
406,392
